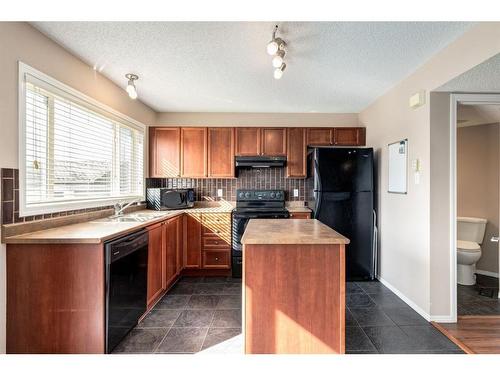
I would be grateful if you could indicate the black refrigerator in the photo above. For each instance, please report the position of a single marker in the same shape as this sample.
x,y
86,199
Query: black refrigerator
x,y
340,192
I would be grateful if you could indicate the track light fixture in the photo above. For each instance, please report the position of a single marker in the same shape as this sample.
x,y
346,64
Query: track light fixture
x,y
276,48
131,89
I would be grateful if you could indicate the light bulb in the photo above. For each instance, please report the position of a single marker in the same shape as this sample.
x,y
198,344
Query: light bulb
x,y
278,59
272,47
278,73
131,90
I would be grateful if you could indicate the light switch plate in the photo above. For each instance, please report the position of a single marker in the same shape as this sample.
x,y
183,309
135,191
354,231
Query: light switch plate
x,y
295,192
219,193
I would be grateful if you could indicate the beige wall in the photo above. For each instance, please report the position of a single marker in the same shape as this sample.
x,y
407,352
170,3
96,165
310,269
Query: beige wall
x,y
257,119
405,229
21,42
478,184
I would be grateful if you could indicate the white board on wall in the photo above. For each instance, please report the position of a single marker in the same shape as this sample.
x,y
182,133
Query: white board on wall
x,y
398,167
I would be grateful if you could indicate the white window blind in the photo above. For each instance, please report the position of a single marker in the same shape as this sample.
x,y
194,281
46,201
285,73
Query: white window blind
x,y
76,156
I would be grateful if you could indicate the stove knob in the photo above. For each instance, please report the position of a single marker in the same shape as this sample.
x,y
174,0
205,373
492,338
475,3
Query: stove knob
x,y
247,195
273,195
241,195
278,195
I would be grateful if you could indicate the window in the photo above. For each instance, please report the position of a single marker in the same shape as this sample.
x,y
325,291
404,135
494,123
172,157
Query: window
x,y
75,152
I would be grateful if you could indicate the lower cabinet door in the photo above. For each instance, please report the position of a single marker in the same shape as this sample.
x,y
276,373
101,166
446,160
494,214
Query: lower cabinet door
x,y
220,259
171,251
192,244
156,261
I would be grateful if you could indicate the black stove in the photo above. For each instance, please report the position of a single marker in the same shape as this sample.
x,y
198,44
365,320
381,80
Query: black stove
x,y
253,204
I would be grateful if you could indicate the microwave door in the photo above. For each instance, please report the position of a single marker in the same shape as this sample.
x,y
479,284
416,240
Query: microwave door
x,y
171,199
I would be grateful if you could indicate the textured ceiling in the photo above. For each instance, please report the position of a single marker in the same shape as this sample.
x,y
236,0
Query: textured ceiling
x,y
484,77
223,66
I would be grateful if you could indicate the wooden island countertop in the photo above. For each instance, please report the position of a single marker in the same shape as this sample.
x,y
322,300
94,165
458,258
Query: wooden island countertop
x,y
294,287
290,232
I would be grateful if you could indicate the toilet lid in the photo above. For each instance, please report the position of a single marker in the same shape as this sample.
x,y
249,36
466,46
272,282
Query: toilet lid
x,y
468,246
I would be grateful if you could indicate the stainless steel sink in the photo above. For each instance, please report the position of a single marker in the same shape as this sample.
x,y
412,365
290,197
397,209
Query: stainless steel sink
x,y
137,218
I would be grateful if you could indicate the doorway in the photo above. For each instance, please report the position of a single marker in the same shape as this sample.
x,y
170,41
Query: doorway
x,y
476,208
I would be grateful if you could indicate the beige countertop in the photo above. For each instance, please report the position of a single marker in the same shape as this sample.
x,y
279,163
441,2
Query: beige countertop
x,y
99,230
298,209
290,232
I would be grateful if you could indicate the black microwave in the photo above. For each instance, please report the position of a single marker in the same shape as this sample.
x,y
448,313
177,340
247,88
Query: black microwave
x,y
169,199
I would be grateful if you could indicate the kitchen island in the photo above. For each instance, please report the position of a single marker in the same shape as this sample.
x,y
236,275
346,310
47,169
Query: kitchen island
x,y
294,287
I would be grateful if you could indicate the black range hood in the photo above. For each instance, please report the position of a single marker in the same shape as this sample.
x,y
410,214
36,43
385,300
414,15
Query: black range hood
x,y
260,161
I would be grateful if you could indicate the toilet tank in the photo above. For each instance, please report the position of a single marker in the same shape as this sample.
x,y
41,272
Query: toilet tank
x,y
471,229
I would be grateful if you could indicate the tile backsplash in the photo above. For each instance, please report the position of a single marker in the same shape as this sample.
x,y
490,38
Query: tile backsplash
x,y
205,188
10,201
251,178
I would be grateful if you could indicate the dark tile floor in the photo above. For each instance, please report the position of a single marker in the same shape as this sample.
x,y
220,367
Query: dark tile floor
x,y
479,299
204,315
196,314
377,321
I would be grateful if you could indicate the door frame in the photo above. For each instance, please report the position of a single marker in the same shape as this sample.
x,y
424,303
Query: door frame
x,y
455,100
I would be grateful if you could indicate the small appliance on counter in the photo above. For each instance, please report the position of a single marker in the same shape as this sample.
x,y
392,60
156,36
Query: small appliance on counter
x,y
161,199
253,204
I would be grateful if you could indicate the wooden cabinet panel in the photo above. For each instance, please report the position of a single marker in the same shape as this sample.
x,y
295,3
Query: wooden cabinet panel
x,y
296,153
180,245
217,259
193,152
220,152
156,263
171,243
319,136
192,241
349,136
273,141
214,242
300,215
164,152
248,141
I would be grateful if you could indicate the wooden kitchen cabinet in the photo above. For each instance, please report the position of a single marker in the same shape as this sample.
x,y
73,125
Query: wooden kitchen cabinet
x,y
171,245
192,241
220,152
156,263
273,141
193,152
216,241
319,136
296,153
349,136
164,152
180,245
248,141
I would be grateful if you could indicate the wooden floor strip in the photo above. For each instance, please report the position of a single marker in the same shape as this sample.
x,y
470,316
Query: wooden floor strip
x,y
474,334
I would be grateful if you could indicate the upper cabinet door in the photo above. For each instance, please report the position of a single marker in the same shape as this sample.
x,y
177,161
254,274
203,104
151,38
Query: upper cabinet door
x,y
296,153
247,141
273,141
164,152
319,136
193,152
220,152
349,137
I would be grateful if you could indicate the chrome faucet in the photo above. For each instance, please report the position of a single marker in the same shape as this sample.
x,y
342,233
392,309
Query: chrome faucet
x,y
120,207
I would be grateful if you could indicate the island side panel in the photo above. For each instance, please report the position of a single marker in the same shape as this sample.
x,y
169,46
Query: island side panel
x,y
294,298
55,298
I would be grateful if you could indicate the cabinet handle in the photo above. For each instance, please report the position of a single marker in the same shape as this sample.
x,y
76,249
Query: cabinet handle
x,y
216,242
216,258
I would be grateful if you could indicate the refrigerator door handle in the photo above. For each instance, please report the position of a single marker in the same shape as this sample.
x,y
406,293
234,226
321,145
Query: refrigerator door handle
x,y
317,189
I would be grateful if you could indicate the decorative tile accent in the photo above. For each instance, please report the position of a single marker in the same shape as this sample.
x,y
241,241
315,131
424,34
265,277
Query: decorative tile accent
x,y
252,178
10,201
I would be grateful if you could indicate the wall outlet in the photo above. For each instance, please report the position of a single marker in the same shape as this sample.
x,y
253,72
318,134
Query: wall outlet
x,y
219,193
295,192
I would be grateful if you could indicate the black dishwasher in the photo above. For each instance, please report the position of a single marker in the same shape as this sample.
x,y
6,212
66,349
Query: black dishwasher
x,y
126,285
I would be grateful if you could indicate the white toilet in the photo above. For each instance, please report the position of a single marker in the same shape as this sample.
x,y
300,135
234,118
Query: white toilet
x,y
470,234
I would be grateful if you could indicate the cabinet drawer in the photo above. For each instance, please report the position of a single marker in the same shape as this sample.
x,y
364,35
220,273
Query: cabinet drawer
x,y
217,242
217,225
300,215
217,259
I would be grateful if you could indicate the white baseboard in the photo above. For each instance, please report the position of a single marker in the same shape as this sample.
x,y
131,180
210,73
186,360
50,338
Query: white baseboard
x,y
405,299
487,273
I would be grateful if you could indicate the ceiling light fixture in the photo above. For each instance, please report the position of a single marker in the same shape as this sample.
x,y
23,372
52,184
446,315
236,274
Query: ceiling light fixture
x,y
131,89
278,73
276,48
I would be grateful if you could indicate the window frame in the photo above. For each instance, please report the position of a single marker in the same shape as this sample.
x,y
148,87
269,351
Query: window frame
x,y
91,104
